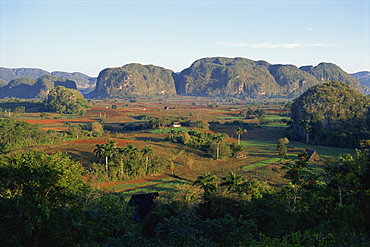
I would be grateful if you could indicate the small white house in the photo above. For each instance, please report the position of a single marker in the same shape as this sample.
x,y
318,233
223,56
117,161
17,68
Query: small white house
x,y
175,125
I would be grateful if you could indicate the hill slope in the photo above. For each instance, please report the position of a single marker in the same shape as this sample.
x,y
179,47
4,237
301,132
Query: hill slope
x,y
363,77
27,88
241,77
84,83
134,80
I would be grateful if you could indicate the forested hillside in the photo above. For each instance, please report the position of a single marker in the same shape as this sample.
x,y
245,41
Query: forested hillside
x,y
135,80
332,114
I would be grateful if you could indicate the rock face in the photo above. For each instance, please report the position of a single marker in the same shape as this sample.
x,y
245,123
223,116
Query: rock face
x,y
363,77
134,80
220,76
84,83
241,77
27,88
331,72
214,76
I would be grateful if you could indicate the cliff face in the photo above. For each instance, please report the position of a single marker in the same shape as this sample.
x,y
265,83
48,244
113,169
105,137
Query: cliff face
x,y
241,77
27,88
85,84
332,72
227,77
134,80
363,77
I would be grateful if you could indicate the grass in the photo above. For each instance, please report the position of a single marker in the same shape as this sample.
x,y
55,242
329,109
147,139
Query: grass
x,y
266,162
324,151
167,130
160,185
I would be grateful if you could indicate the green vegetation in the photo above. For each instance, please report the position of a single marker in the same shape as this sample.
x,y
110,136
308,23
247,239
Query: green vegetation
x,y
332,114
218,187
316,208
134,80
65,100
17,134
44,202
125,163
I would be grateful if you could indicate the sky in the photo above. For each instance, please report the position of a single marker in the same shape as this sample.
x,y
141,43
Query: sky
x,y
90,35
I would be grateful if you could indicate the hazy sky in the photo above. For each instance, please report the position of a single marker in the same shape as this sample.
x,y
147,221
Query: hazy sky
x,y
88,36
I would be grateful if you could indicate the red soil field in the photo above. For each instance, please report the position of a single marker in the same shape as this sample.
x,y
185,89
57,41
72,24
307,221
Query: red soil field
x,y
120,142
57,121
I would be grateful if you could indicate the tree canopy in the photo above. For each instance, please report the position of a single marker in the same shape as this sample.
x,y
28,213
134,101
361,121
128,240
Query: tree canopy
x,y
65,100
330,113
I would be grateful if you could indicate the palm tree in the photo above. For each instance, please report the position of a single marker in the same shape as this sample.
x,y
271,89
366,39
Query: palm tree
x,y
218,138
98,151
106,150
240,131
233,182
207,182
147,151
130,150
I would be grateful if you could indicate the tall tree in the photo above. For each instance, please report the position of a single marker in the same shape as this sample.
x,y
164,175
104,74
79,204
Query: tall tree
x,y
147,151
218,138
34,188
207,182
239,131
106,150
233,182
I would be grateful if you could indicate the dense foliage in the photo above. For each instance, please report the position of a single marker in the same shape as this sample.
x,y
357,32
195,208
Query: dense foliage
x,y
18,134
316,208
215,145
44,202
331,113
15,134
65,100
125,163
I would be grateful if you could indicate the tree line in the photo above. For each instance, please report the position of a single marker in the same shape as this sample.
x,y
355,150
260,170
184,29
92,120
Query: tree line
x,y
124,163
214,145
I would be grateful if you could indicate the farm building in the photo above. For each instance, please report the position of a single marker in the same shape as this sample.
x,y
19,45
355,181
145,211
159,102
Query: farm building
x,y
313,156
142,204
176,124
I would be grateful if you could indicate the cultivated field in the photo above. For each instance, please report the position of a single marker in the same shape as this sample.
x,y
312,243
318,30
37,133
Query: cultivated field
x,y
262,162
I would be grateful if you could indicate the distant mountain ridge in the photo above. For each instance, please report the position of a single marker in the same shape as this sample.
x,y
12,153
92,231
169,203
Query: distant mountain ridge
x,y
213,76
363,77
27,88
85,83
244,78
